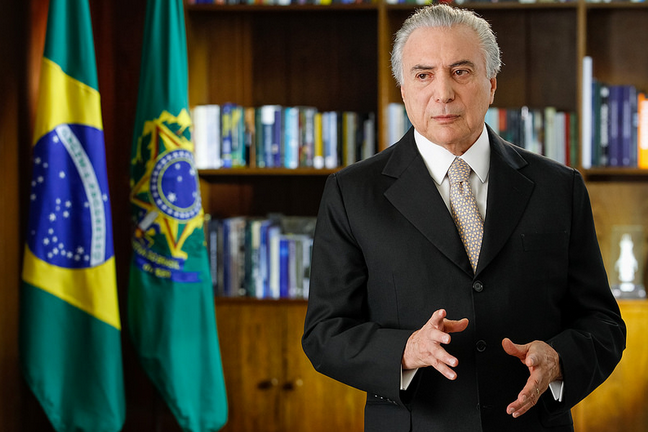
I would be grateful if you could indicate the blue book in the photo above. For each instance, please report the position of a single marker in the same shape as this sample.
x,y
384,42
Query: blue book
x,y
268,133
614,126
226,134
277,138
284,267
263,281
628,94
291,137
226,288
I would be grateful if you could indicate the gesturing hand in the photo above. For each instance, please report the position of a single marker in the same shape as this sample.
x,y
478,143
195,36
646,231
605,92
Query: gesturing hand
x,y
424,345
544,367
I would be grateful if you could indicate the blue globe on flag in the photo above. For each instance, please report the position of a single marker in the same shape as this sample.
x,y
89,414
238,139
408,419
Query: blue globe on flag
x,y
69,219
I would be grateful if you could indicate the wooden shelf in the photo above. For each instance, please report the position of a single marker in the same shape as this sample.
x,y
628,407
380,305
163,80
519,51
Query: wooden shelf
x,y
206,173
222,301
360,7
616,174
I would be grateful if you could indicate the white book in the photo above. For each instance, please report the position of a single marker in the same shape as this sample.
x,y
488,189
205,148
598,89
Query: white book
x,y
330,128
492,119
369,143
395,122
586,113
559,131
206,136
550,132
274,233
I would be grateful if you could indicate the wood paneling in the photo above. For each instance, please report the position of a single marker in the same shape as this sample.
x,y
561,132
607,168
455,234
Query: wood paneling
x,y
13,18
271,385
619,404
618,203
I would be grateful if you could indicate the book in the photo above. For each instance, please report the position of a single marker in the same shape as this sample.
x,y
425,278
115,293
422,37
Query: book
x,y
586,109
349,137
206,136
291,134
642,132
271,134
614,123
318,156
226,134
307,135
602,141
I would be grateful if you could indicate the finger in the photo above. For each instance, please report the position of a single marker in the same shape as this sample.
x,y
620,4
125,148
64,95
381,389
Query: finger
x,y
446,371
515,350
436,320
444,362
527,398
452,326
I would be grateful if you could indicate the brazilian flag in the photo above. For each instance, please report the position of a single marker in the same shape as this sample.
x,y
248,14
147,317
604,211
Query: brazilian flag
x,y
170,301
70,331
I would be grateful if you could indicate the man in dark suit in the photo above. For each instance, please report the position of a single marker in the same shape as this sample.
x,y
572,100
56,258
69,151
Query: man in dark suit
x,y
459,304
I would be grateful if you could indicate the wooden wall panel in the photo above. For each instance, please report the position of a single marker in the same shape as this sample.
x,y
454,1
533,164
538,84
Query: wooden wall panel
x,y
12,33
619,404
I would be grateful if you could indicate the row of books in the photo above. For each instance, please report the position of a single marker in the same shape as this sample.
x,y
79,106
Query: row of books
x,y
265,258
464,2
545,131
413,2
397,122
280,2
274,136
615,123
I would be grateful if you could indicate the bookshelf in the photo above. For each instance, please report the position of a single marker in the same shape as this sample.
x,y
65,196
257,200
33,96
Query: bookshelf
x,y
337,58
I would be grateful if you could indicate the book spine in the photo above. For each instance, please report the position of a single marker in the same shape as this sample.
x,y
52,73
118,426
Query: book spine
x,y
277,138
603,151
586,109
642,133
284,267
614,133
226,135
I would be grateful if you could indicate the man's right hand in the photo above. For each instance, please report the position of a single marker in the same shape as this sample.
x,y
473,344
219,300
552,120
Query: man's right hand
x,y
424,345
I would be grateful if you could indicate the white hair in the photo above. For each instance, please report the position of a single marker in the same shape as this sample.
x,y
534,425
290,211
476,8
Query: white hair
x,y
446,16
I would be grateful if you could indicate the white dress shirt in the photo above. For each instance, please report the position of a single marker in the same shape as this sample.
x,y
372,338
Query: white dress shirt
x,y
438,160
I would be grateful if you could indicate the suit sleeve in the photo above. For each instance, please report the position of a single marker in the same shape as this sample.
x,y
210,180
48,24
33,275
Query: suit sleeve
x,y
594,338
339,337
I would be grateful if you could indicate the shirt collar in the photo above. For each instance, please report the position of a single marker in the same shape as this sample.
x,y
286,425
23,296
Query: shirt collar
x,y
438,159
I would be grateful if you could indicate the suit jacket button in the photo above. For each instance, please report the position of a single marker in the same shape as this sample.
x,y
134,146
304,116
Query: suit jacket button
x,y
481,346
478,286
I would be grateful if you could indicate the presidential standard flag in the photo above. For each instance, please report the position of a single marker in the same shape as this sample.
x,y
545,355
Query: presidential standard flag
x,y
70,331
170,300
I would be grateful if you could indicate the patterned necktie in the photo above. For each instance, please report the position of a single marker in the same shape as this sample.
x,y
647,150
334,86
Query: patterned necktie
x,y
464,210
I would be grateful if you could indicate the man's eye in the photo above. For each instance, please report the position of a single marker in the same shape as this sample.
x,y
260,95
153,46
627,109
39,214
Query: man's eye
x,y
422,76
461,72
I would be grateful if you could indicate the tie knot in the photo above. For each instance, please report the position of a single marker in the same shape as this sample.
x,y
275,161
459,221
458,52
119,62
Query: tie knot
x,y
459,171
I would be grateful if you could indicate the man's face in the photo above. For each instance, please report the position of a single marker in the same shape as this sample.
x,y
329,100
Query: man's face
x,y
445,87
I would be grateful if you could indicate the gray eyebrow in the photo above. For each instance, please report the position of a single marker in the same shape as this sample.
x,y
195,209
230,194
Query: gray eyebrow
x,y
419,67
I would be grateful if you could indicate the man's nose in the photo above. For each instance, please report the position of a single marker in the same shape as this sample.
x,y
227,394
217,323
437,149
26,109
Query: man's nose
x,y
443,89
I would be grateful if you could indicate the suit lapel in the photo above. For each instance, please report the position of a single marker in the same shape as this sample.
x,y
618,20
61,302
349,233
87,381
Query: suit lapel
x,y
508,195
430,214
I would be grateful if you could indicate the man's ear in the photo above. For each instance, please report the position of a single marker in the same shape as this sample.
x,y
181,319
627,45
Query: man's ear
x,y
493,82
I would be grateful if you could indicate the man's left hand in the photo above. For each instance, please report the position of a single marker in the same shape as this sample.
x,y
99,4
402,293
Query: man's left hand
x,y
544,367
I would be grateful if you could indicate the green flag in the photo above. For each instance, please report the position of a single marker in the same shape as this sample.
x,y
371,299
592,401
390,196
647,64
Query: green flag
x,y
70,330
170,301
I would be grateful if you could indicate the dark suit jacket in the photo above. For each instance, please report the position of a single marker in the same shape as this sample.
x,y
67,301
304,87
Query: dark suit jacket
x,y
387,254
